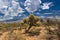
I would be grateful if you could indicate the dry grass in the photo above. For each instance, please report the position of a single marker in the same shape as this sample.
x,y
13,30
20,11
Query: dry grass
x,y
40,30
17,34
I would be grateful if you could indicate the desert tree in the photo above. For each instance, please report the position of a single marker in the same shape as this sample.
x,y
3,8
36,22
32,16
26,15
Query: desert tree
x,y
31,21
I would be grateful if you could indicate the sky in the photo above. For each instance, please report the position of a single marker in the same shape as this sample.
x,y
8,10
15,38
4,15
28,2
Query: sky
x,y
19,9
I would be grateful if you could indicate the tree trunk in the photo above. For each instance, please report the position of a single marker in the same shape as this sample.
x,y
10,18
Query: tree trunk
x,y
29,28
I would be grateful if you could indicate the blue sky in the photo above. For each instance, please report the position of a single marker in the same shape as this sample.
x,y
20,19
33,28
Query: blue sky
x,y
18,9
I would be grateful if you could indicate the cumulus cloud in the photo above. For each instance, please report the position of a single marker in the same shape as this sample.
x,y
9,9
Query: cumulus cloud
x,y
10,8
46,5
32,5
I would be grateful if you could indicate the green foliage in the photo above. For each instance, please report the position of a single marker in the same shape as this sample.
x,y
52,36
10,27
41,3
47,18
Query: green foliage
x,y
38,23
31,21
25,20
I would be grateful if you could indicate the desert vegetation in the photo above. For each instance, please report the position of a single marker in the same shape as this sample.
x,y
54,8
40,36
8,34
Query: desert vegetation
x,y
31,28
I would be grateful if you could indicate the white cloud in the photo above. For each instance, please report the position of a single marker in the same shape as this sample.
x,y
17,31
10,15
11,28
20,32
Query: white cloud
x,y
57,17
38,13
10,8
32,5
42,16
5,18
50,17
46,5
47,13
